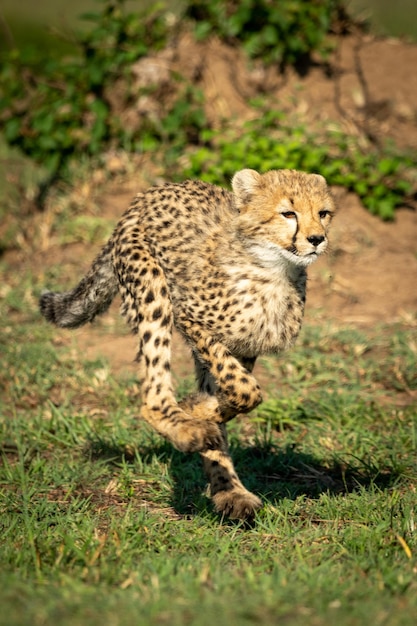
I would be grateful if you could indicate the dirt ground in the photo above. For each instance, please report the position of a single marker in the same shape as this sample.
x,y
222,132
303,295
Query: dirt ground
x,y
369,86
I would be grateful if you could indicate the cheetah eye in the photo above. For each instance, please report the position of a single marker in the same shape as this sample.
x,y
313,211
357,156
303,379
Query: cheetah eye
x,y
290,215
324,213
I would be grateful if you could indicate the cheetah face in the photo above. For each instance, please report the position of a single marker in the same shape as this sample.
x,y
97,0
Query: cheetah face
x,y
305,231
284,215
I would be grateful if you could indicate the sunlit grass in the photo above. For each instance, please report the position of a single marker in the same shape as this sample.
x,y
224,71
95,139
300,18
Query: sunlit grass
x,y
103,521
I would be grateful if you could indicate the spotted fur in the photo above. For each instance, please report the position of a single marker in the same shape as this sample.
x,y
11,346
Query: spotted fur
x,y
228,270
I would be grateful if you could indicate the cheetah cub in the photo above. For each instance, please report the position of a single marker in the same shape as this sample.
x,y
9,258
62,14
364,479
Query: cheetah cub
x,y
228,270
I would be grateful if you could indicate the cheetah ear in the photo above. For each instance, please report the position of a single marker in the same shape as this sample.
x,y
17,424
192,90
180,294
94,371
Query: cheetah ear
x,y
319,178
244,184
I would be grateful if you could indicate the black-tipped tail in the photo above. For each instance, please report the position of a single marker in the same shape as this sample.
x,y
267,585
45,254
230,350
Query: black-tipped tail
x,y
91,297
47,306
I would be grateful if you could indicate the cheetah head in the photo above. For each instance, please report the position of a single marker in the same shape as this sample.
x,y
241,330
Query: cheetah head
x,y
284,215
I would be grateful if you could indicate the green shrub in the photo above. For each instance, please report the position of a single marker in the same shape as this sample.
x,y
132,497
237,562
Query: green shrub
x,y
59,109
284,32
383,180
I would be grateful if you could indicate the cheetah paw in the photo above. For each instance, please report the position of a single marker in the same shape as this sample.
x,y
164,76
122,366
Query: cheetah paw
x,y
202,406
237,503
185,432
196,436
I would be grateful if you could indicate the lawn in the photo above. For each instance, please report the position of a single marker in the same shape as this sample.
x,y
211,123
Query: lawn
x,y
103,522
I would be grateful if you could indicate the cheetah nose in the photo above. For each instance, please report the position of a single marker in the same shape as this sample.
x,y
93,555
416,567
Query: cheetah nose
x,y
316,240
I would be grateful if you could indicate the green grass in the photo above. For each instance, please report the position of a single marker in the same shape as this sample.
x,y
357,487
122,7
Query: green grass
x,y
19,176
103,522
49,25
396,19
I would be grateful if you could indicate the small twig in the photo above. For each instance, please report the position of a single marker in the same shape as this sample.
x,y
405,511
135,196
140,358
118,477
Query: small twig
x,y
363,129
45,185
365,90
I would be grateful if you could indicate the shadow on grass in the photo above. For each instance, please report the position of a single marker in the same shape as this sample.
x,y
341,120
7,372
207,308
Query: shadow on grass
x,y
274,474
269,471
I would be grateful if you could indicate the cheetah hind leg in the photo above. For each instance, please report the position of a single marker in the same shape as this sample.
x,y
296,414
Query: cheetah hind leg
x,y
148,310
192,425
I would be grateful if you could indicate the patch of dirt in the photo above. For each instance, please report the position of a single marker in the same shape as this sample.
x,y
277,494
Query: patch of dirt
x,y
370,273
370,87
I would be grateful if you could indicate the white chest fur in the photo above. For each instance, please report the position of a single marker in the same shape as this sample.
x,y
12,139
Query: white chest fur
x,y
268,310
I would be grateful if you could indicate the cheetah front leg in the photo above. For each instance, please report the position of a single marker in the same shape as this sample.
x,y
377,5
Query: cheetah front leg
x,y
228,493
236,389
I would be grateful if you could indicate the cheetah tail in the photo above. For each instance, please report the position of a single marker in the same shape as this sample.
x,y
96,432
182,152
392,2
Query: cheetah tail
x,y
92,296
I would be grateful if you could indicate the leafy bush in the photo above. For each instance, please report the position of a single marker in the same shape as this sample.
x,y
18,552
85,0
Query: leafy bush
x,y
64,109
284,32
382,180
59,109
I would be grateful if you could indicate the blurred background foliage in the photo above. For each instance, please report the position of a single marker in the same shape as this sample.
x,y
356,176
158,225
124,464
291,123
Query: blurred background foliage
x,y
66,84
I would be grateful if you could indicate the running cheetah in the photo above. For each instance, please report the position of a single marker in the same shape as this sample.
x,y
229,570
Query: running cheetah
x,y
228,270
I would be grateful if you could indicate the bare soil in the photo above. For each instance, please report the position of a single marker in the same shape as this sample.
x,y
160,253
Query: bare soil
x,y
369,86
